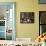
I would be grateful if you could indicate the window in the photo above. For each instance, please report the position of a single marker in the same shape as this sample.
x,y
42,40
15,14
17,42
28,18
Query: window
x,y
42,22
42,1
7,21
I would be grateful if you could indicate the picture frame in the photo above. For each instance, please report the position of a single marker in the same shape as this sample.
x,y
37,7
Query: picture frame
x,y
42,1
26,17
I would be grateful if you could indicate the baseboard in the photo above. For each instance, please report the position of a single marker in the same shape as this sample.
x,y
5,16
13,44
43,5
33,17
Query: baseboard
x,y
24,39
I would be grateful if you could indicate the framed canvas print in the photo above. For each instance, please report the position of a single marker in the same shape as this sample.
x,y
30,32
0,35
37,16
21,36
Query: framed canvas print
x,y
42,1
42,22
27,17
7,20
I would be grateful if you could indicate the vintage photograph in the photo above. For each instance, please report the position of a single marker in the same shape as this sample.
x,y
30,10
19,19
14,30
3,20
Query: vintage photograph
x,y
26,17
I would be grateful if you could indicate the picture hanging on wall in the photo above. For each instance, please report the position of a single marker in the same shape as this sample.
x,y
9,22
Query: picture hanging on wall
x,y
42,1
26,17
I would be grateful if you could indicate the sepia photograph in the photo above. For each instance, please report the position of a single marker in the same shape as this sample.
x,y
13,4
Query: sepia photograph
x,y
26,17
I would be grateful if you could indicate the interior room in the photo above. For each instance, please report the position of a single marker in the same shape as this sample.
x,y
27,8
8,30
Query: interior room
x,y
23,21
